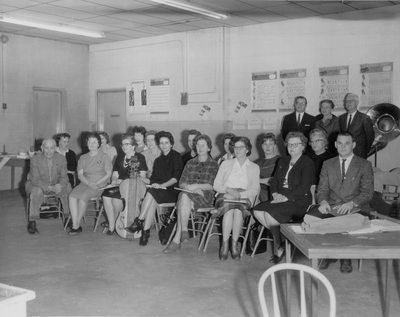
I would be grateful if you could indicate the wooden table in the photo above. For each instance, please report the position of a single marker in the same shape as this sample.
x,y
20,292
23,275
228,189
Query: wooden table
x,y
13,161
383,246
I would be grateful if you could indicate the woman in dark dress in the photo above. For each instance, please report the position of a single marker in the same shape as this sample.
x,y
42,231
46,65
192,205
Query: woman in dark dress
x,y
198,178
290,190
166,173
112,200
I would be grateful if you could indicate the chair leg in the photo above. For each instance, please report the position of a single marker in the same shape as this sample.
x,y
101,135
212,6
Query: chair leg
x,y
246,235
209,230
258,241
205,231
98,217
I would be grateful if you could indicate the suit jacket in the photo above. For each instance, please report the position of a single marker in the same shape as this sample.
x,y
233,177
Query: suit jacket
x,y
358,186
361,128
300,179
253,179
290,124
39,172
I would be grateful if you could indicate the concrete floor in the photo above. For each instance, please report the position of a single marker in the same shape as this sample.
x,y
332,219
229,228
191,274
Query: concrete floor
x,y
92,274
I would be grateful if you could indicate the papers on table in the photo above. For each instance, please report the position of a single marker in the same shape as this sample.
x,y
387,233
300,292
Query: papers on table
x,y
378,225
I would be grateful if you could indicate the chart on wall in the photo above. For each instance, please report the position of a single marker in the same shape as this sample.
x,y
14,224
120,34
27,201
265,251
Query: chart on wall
x,y
292,84
159,95
137,97
376,84
334,84
264,91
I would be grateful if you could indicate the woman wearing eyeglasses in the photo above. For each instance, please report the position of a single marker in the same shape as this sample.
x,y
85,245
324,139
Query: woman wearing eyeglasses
x,y
237,182
290,189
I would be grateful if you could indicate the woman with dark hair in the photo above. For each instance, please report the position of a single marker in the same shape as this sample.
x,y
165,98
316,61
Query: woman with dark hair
x,y
238,181
152,151
112,199
166,173
290,190
94,171
329,123
226,141
197,180
139,134
106,148
62,140
319,144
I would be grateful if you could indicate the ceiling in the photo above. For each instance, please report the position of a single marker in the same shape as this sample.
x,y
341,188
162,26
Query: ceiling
x,y
122,20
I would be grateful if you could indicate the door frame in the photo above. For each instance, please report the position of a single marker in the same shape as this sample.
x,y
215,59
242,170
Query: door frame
x,y
100,110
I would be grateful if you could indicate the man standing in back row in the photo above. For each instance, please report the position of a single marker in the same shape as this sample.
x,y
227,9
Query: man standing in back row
x,y
358,124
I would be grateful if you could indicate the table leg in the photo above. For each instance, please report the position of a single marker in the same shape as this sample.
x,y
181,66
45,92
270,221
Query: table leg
x,y
314,289
288,277
12,177
389,265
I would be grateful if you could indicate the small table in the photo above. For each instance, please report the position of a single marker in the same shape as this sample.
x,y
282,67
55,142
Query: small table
x,y
383,246
13,161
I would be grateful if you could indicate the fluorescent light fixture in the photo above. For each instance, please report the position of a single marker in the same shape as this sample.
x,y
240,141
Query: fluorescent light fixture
x,y
193,8
58,27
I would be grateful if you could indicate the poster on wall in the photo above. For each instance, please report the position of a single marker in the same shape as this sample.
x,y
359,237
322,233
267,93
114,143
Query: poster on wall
x,y
264,91
159,95
292,84
137,97
334,84
205,112
376,84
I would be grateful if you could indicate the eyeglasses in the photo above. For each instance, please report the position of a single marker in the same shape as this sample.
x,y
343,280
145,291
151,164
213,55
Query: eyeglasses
x,y
239,148
293,145
316,141
125,144
343,143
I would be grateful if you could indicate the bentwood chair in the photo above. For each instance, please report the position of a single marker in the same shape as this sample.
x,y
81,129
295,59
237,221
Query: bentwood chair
x,y
275,274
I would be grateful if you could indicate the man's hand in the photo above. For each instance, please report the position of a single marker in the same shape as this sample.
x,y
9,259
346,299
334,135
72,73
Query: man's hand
x,y
345,208
324,207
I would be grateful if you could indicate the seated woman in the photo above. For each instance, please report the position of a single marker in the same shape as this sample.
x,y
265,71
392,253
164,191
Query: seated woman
x,y
226,141
267,164
198,178
167,170
290,189
319,144
152,151
94,172
106,148
112,200
237,179
62,140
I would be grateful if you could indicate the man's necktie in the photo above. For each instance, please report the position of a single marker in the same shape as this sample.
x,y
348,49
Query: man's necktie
x,y
298,120
343,169
348,123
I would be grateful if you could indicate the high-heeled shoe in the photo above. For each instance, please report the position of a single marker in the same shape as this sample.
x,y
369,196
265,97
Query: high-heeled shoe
x,y
145,237
235,252
223,252
110,232
277,258
136,226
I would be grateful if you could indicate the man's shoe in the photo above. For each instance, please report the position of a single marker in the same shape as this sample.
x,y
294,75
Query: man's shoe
x,y
32,228
324,263
345,266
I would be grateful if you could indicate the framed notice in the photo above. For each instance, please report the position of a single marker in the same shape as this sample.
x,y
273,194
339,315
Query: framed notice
x,y
264,91
334,84
137,97
376,84
292,83
159,95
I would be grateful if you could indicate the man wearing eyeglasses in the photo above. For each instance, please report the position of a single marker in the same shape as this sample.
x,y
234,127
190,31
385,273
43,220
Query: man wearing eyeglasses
x,y
298,120
358,124
346,185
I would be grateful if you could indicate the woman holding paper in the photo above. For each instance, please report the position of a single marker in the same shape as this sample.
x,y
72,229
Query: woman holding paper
x,y
290,190
197,188
112,200
238,181
94,171
166,173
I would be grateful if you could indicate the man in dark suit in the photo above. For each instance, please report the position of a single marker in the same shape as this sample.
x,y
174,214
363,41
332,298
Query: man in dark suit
x,y
346,182
298,120
358,124
48,175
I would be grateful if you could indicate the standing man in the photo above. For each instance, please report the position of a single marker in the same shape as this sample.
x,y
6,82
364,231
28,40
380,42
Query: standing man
x,y
191,154
47,175
346,182
358,124
298,120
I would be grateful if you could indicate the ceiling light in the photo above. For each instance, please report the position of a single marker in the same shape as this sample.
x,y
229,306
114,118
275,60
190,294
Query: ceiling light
x,y
193,8
50,26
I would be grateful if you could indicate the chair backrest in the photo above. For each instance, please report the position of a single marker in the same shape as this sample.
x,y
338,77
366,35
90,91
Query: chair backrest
x,y
301,269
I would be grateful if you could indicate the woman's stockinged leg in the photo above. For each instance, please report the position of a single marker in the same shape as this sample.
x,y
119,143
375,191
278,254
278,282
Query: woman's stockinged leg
x,y
274,227
109,209
183,211
227,224
148,211
237,224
